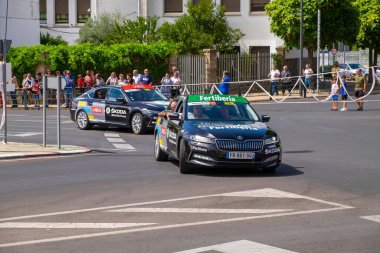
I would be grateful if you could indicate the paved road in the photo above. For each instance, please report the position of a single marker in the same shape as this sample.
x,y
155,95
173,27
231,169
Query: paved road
x,y
325,197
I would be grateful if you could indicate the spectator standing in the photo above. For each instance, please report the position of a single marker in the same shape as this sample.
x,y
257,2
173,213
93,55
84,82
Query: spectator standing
x,y
224,86
307,73
70,85
165,85
129,79
121,80
146,78
286,80
136,76
343,93
274,74
335,70
81,85
13,93
334,94
99,80
36,94
89,80
360,88
177,82
26,89
112,80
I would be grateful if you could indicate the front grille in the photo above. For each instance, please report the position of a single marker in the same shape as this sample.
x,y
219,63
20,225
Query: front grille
x,y
232,145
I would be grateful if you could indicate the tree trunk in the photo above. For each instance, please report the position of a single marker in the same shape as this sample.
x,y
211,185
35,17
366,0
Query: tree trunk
x,y
370,57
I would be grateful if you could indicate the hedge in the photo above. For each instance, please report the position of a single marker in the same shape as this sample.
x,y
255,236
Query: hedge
x,y
100,58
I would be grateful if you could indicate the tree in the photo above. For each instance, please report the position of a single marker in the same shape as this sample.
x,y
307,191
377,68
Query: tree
x,y
203,26
339,22
101,29
369,33
47,39
142,30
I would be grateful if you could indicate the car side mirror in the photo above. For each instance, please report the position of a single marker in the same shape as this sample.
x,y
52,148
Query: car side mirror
x,y
265,118
174,116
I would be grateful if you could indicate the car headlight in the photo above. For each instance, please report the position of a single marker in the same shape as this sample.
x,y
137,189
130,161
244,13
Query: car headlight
x,y
202,139
271,140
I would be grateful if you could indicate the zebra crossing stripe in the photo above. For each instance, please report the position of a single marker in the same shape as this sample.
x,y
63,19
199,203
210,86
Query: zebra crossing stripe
x,y
375,218
242,246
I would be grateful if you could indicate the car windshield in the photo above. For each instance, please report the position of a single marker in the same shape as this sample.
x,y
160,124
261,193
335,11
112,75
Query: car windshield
x,y
355,65
221,111
145,95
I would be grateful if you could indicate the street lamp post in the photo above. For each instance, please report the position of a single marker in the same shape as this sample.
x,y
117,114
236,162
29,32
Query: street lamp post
x,y
301,46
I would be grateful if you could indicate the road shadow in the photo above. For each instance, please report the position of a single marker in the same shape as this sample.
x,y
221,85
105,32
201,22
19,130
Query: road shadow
x,y
284,170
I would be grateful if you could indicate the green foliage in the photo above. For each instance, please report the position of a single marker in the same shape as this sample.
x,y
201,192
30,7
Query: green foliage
x,y
102,29
339,22
369,33
100,58
277,60
47,39
203,26
141,30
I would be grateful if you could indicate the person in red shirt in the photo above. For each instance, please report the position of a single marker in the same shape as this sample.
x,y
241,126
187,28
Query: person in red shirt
x,y
81,86
89,80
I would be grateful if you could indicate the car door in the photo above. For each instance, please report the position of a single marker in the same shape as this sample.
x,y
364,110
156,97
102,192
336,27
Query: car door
x,y
174,130
97,104
117,107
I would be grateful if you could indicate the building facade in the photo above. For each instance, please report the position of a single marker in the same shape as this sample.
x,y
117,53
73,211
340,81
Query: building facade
x,y
65,18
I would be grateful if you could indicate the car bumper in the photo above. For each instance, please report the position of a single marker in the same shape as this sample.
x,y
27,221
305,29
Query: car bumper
x,y
209,155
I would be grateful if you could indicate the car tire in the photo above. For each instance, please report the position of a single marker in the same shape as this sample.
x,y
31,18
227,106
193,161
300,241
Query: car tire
x,y
184,166
137,123
82,120
158,153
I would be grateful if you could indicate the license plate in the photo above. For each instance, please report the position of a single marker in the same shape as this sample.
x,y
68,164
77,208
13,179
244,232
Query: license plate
x,y
241,155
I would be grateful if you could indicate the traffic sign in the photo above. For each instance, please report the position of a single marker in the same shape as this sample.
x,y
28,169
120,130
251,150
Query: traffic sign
x,y
5,44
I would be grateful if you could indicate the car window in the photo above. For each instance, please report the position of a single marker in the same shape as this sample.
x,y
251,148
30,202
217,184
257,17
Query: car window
x,y
221,111
114,94
100,94
145,95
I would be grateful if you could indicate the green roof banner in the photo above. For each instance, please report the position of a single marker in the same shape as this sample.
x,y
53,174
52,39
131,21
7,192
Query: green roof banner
x,y
216,98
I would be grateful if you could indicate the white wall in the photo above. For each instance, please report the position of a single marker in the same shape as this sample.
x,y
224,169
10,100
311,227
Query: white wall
x,y
23,22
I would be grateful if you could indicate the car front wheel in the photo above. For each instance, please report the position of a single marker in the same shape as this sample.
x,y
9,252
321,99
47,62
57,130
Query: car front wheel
x,y
137,123
82,120
184,166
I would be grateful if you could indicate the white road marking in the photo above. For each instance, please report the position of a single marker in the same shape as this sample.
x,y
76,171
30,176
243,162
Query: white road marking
x,y
158,202
120,140
264,193
375,218
54,225
25,134
111,135
243,246
123,146
198,210
154,228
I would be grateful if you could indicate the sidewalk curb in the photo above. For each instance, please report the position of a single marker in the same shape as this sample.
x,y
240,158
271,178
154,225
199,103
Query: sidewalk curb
x,y
17,155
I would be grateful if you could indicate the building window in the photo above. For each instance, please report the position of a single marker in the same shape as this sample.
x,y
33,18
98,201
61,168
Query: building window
x,y
231,5
43,18
173,6
61,11
258,5
83,10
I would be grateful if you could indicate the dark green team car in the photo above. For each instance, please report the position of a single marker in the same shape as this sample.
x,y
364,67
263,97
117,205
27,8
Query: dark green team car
x,y
216,130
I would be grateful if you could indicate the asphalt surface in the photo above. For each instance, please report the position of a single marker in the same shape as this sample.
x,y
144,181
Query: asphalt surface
x,y
119,199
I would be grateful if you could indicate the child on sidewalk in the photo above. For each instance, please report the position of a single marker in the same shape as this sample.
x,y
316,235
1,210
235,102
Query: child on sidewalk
x,y
343,93
36,93
334,94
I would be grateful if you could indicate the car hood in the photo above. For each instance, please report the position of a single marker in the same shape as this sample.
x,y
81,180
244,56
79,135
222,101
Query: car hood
x,y
152,105
237,130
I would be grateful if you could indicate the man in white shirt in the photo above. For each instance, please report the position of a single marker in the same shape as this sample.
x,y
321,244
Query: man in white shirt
x,y
136,76
274,75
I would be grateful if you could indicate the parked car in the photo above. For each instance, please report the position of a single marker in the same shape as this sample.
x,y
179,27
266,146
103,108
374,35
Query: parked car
x,y
378,70
131,106
349,69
